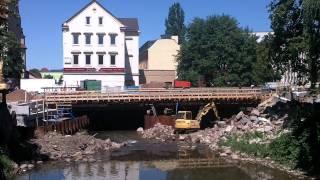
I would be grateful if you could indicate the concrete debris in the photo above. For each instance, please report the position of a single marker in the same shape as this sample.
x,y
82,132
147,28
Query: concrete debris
x,y
160,132
140,130
239,115
255,112
241,124
268,119
73,148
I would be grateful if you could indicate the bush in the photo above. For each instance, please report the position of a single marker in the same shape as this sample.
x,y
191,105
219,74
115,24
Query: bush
x,y
286,149
242,144
6,164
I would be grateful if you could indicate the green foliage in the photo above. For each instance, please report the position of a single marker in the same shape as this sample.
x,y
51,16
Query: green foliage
x,y
242,144
298,149
264,70
36,72
220,51
60,80
10,49
296,37
13,62
175,22
47,76
285,150
6,165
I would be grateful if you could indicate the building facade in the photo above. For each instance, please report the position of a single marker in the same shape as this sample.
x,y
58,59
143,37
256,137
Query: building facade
x,y
99,46
158,60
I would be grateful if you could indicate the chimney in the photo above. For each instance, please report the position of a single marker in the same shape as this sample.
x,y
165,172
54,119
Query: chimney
x,y
176,38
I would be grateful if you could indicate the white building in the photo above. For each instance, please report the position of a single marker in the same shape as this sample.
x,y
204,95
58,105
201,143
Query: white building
x,y
99,46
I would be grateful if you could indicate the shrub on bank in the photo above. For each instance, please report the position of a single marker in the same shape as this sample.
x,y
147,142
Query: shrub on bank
x,y
284,149
6,165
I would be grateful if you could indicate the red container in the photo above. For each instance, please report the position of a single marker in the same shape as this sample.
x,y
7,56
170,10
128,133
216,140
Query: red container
x,y
182,84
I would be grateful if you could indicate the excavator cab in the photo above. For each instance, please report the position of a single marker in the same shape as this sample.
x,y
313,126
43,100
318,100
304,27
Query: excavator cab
x,y
185,122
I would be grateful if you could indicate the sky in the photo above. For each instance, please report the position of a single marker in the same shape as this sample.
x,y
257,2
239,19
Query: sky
x,y
42,20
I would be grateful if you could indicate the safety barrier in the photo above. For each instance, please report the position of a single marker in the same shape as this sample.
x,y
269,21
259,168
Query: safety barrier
x,y
67,126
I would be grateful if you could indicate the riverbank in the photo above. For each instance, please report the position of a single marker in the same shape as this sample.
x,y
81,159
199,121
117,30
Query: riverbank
x,y
275,134
80,147
145,159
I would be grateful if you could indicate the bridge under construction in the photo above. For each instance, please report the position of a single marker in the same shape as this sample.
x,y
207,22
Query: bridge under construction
x,y
115,109
231,95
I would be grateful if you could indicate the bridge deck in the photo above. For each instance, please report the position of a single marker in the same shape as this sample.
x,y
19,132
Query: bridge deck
x,y
155,95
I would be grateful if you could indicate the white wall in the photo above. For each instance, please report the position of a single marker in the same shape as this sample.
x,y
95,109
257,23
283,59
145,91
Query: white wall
x,y
35,85
106,80
78,25
110,25
133,49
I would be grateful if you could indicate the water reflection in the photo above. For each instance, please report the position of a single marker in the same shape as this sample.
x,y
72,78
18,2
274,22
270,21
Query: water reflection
x,y
147,160
191,169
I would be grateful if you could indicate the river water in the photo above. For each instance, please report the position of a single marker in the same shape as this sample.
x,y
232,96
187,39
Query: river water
x,y
151,160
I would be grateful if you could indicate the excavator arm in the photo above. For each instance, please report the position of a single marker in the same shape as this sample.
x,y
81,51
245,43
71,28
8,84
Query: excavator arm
x,y
205,110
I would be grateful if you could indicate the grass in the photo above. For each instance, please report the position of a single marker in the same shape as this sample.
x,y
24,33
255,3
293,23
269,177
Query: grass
x,y
284,149
6,164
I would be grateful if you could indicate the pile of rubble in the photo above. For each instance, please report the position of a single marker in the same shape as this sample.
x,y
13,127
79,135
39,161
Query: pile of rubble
x,y
79,147
159,132
268,118
257,120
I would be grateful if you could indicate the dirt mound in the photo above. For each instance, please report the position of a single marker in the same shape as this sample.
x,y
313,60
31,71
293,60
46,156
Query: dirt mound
x,y
78,147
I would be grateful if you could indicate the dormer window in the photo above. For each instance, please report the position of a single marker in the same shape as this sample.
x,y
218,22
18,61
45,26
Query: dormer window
x,y
88,20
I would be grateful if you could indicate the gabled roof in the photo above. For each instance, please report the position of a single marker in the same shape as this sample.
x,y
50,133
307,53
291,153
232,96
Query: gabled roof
x,y
146,45
93,1
130,23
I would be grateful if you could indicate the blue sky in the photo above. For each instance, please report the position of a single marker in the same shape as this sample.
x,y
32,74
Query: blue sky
x,y
42,19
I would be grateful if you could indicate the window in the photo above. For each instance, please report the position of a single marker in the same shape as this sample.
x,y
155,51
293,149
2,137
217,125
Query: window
x,y
76,59
112,59
88,38
87,20
113,39
88,59
100,38
75,38
100,20
100,58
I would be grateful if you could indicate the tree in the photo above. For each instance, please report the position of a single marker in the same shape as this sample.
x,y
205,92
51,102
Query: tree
x,y
13,62
219,51
35,72
48,76
10,49
296,37
264,69
175,22
60,81
311,25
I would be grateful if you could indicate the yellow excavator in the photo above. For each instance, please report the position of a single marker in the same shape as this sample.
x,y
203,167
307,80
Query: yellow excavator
x,y
185,123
